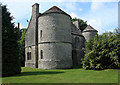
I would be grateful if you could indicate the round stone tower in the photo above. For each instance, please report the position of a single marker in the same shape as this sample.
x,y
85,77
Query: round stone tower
x,y
54,39
89,32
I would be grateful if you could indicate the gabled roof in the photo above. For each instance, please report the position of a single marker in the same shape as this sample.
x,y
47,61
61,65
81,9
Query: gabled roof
x,y
89,28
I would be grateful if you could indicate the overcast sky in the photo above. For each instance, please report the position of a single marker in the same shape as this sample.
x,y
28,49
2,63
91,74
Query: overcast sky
x,y
100,14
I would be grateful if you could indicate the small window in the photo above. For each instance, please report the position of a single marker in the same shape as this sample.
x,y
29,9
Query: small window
x,y
28,55
41,33
41,54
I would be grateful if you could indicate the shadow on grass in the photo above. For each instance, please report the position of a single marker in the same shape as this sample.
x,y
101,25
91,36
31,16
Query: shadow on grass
x,y
38,73
77,67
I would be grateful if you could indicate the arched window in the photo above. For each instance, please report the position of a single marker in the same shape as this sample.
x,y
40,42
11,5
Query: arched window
x,y
28,55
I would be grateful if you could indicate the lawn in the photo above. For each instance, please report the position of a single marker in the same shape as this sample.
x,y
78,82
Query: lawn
x,y
35,75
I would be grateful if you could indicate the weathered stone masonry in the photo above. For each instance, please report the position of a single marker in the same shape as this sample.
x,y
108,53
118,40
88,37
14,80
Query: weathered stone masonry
x,y
52,41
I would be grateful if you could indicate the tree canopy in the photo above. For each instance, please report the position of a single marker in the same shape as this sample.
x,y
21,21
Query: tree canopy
x,y
10,47
22,47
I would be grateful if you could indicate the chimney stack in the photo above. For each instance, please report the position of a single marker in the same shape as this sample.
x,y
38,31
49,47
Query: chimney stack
x,y
76,23
35,10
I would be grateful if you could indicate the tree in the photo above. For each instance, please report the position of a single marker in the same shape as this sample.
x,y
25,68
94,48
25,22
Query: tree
x,y
22,47
10,47
103,52
82,23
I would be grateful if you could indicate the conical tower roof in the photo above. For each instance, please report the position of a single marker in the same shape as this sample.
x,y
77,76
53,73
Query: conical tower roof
x,y
55,9
89,28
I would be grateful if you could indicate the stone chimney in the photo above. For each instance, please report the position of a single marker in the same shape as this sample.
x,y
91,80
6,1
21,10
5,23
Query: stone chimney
x,y
35,15
76,23
35,10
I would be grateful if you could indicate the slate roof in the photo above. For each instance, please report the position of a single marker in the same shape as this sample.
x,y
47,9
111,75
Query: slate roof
x,y
89,28
55,9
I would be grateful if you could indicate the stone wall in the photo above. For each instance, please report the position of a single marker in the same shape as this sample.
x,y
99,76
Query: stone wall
x,y
55,28
31,38
54,39
78,42
33,61
55,55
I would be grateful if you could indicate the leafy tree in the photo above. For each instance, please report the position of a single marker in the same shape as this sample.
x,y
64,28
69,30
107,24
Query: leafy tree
x,y
83,24
103,52
22,47
10,47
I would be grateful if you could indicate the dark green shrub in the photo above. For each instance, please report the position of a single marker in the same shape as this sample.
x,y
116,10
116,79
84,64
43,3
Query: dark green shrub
x,y
102,52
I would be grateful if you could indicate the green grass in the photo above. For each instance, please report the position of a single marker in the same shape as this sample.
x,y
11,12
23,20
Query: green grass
x,y
35,75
